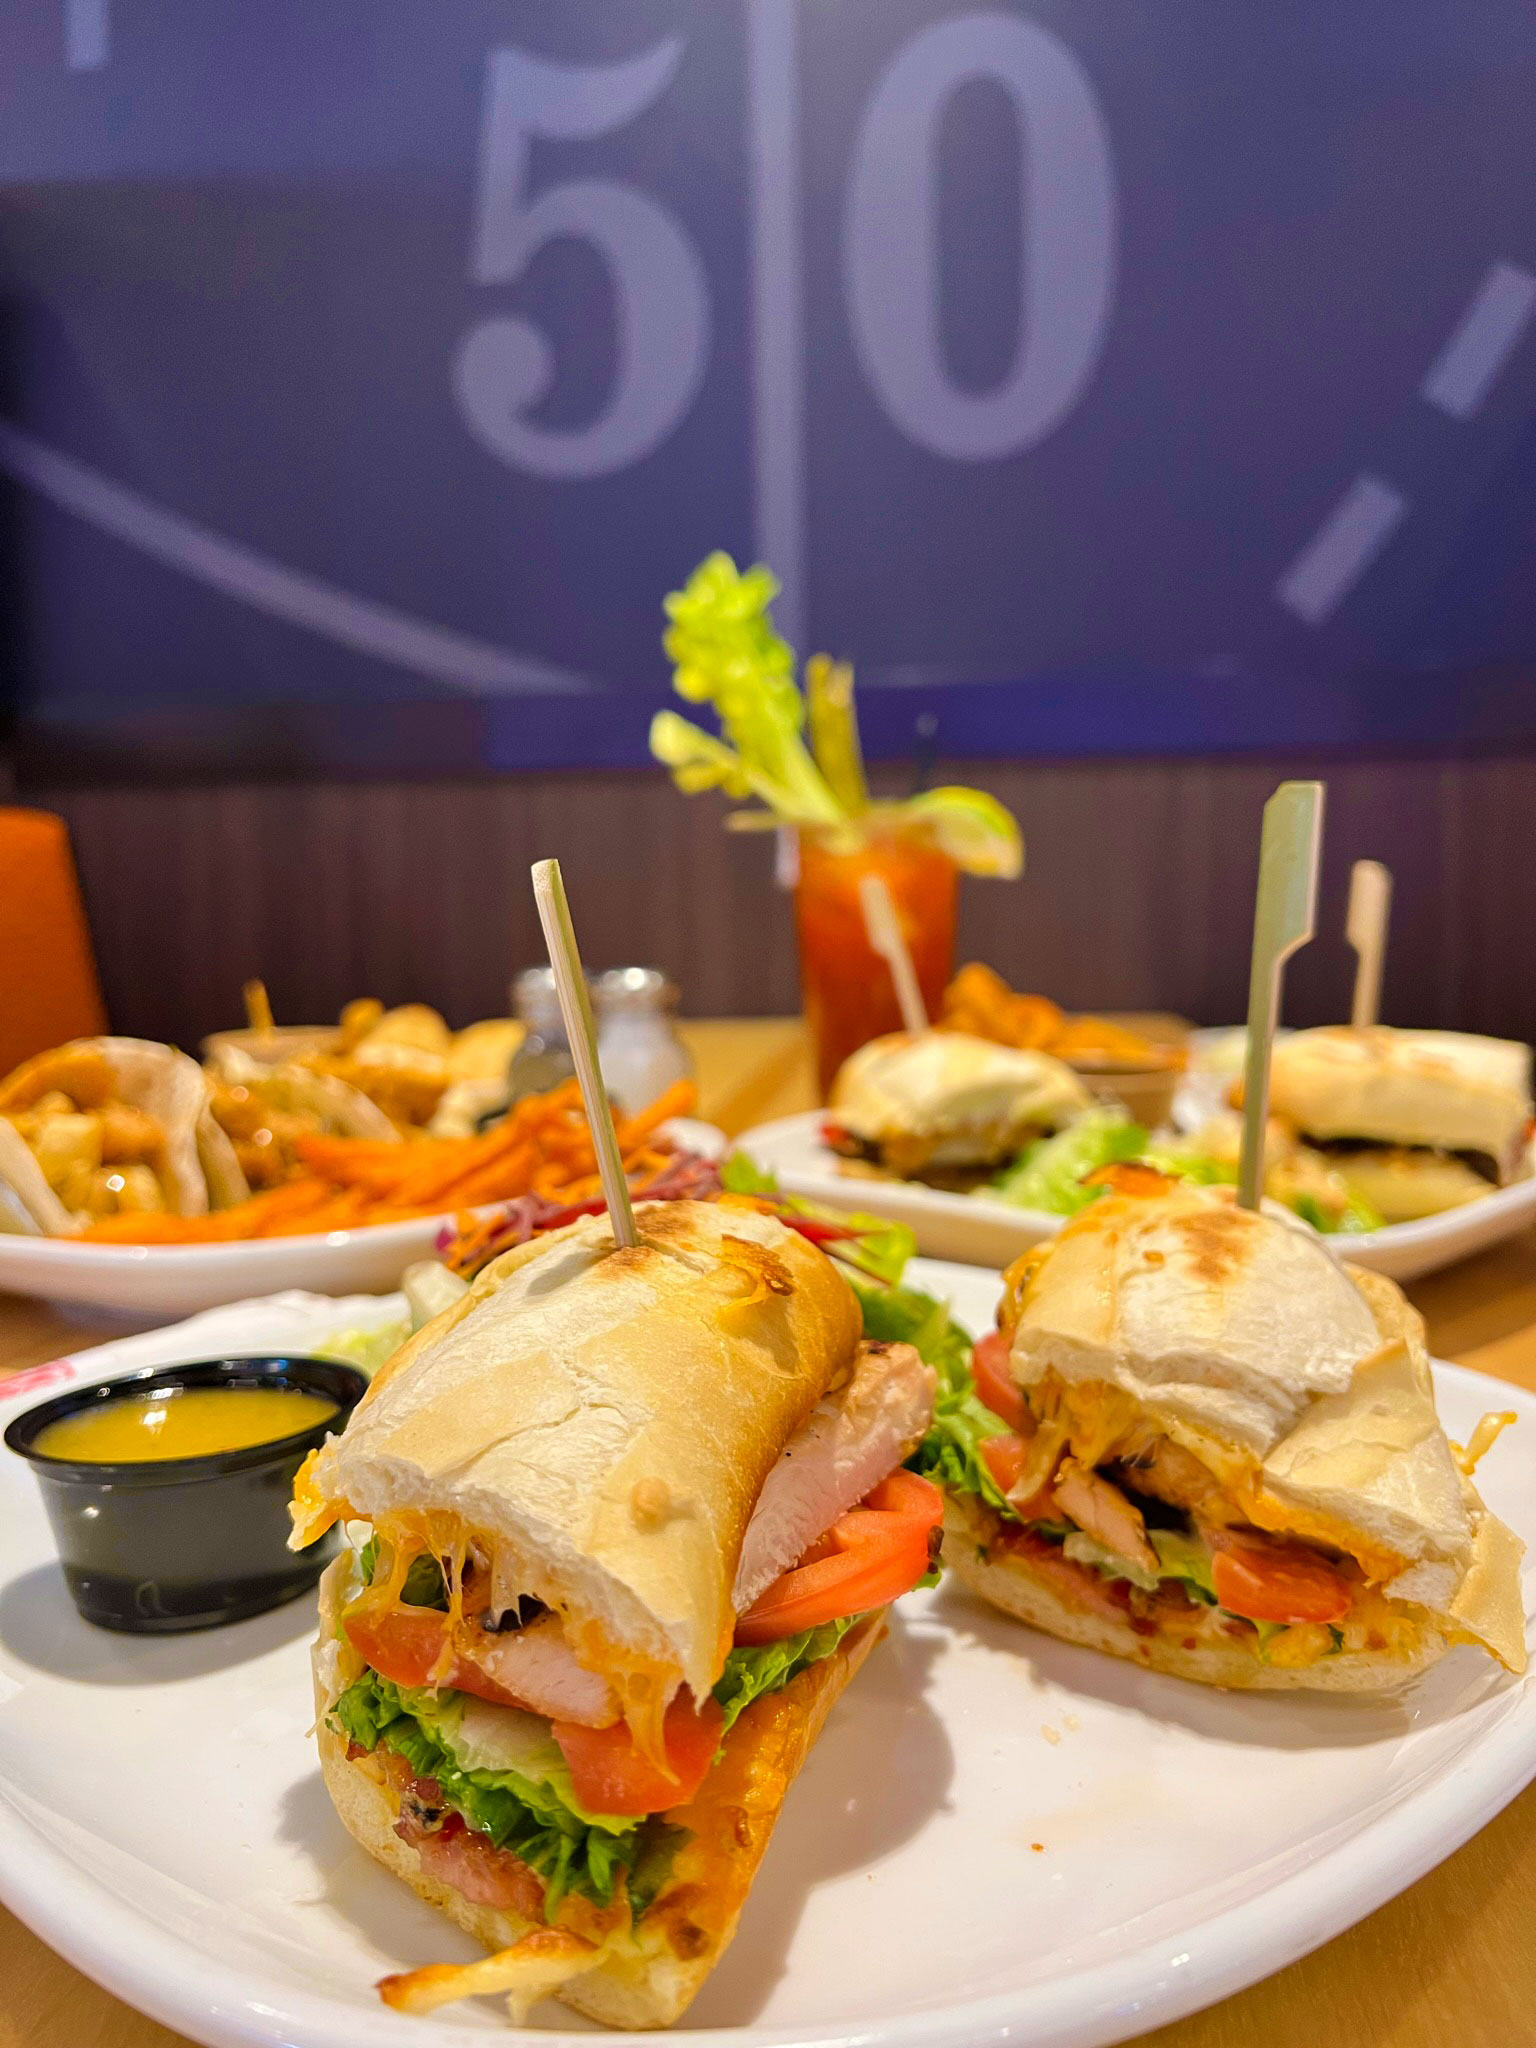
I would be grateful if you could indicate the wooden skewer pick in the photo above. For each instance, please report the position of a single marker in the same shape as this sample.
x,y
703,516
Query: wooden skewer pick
x,y
258,1008
889,940
1365,927
576,1009
1284,918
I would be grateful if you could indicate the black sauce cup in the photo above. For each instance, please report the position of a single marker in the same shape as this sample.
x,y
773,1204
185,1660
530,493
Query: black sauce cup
x,y
162,1545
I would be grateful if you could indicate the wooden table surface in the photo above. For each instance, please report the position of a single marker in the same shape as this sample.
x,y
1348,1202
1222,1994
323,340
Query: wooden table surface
x,y
1449,1964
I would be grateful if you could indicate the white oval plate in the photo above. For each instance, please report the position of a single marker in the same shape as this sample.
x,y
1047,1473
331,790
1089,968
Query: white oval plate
x,y
984,1232
973,1229
163,1280
163,1824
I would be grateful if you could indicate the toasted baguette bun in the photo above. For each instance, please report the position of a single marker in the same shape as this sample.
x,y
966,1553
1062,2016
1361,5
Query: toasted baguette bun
x,y
1440,1088
1211,1316
649,1978
1010,1582
602,1422
944,1098
1301,1384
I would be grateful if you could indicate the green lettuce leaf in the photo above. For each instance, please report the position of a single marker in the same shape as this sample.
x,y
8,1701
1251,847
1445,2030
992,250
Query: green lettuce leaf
x,y
741,1175
1180,1557
536,1818
1050,1174
423,1586
880,1248
366,1349
1356,1215
1186,1164
950,1454
749,1673
1085,1549
1185,1558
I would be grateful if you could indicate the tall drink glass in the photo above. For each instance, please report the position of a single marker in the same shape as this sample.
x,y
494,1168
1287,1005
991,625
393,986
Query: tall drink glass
x,y
848,994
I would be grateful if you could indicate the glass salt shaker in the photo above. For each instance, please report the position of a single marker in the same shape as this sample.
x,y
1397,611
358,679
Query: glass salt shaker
x,y
543,1060
637,1044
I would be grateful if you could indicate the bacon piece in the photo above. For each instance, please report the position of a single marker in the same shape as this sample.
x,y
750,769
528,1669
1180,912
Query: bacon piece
x,y
456,1855
1078,1584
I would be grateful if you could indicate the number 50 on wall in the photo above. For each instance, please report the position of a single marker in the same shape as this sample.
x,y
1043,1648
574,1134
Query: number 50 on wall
x,y
890,258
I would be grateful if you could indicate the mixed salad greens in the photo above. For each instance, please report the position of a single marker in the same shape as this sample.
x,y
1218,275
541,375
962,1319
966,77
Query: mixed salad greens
x,y
1055,1174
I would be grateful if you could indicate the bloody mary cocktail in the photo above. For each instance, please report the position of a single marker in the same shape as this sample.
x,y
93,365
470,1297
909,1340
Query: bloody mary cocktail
x,y
848,994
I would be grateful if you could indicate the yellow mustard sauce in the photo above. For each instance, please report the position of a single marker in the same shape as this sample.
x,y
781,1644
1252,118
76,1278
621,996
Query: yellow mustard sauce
x,y
182,1422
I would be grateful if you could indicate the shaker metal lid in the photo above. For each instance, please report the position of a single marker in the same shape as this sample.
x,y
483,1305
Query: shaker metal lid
x,y
634,988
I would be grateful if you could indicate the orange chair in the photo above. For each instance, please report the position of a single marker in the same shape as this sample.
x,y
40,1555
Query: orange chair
x,y
49,989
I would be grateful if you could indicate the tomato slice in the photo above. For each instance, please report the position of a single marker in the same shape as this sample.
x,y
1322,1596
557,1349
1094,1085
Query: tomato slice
x,y
1276,1581
609,1775
404,1644
907,1493
995,1383
869,1556
1131,1177
1004,1458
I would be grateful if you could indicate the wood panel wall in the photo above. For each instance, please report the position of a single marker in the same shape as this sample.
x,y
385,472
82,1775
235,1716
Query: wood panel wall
x,y
1138,895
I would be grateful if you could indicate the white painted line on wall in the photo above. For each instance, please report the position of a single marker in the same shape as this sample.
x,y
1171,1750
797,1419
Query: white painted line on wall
x,y
1341,550
283,593
87,34
1484,339
778,308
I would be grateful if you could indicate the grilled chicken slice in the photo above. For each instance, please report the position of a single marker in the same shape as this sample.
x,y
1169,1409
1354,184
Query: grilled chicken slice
x,y
1098,1506
851,1440
537,1667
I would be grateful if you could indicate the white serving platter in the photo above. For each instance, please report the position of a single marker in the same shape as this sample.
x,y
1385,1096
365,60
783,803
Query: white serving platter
x,y
997,1839
160,1280
981,1231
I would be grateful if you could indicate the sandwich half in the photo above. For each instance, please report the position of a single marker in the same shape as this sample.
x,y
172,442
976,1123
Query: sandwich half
x,y
1415,1121
944,1105
633,1517
1216,1454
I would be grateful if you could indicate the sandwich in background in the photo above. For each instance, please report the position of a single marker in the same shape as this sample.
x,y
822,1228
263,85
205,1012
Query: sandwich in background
x,y
1416,1122
1199,1443
972,1116
943,1106
635,1515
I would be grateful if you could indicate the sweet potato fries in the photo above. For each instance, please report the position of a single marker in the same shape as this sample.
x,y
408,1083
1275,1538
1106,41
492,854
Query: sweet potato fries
x,y
542,1147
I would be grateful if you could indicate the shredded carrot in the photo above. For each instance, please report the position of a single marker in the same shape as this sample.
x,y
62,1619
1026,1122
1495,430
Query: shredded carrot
x,y
542,1146
678,1100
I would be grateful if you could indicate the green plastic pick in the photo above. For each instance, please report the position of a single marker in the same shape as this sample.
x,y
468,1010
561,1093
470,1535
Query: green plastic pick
x,y
1284,918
